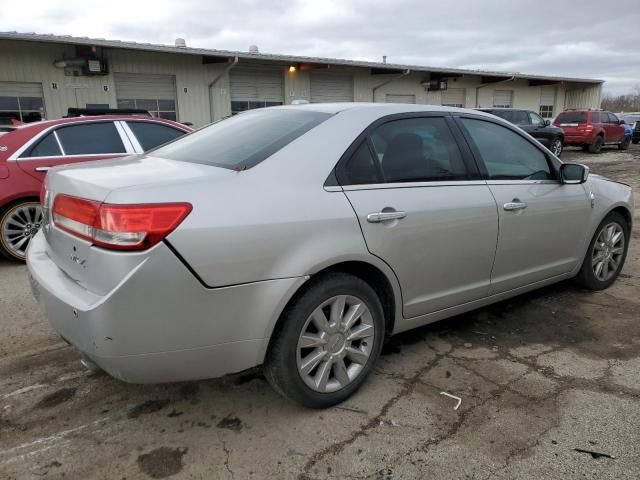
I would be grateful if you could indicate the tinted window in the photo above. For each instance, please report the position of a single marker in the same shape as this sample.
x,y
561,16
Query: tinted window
x,y
47,147
410,150
613,118
244,140
536,119
361,167
90,138
572,117
520,117
151,135
506,155
597,118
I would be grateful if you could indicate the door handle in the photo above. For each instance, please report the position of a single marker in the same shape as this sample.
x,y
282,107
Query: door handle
x,y
515,205
42,169
379,217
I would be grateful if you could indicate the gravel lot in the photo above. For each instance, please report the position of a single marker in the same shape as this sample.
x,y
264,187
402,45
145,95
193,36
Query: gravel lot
x,y
539,376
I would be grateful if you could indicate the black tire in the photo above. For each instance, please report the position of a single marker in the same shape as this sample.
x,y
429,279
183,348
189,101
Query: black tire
x,y
596,146
558,148
585,148
625,144
635,142
586,277
280,367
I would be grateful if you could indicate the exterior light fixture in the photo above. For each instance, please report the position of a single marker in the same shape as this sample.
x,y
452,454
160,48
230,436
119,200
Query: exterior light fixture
x,y
292,68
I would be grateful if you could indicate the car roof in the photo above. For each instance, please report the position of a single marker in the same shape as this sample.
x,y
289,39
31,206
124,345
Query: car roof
x,y
380,108
92,118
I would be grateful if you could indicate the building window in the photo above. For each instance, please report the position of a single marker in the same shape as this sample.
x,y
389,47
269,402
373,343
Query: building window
x,y
158,108
546,111
238,106
20,109
503,98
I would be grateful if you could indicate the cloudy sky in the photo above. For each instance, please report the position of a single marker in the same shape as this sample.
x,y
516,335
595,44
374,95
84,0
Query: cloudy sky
x,y
584,38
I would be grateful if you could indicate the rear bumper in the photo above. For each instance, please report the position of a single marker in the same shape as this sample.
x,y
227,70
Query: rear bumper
x,y
578,139
159,324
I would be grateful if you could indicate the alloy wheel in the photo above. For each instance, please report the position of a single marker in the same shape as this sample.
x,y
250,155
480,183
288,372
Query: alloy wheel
x,y
335,343
19,226
607,251
556,147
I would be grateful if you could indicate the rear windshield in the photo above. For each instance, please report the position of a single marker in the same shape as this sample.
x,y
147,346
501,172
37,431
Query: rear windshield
x,y
242,141
572,117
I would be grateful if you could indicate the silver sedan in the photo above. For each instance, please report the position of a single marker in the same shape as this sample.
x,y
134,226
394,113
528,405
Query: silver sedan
x,y
300,237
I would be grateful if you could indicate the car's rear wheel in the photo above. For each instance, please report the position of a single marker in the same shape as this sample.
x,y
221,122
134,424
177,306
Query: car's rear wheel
x,y
596,146
18,225
326,342
556,146
625,144
607,253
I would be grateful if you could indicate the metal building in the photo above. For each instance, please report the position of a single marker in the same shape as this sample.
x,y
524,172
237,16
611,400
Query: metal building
x,y
41,76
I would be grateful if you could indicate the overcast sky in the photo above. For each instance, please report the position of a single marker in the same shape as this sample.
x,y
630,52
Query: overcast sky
x,y
582,38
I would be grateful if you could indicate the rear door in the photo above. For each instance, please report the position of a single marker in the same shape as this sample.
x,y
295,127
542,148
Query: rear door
x,y
542,222
80,142
614,131
423,210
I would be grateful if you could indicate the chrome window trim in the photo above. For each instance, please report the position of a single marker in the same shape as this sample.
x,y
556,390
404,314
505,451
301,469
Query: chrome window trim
x,y
55,135
103,155
124,138
522,182
385,186
132,137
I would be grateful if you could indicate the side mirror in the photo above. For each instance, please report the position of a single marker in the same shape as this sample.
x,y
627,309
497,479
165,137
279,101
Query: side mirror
x,y
621,122
547,123
572,173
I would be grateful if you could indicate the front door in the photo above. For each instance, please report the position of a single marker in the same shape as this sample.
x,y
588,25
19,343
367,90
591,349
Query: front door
x,y
542,222
424,211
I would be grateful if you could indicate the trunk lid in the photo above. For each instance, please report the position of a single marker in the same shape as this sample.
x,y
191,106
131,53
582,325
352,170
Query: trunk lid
x,y
99,269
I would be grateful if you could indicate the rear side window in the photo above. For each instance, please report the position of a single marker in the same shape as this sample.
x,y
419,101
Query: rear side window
x,y
90,138
244,140
46,147
151,135
572,117
507,155
407,150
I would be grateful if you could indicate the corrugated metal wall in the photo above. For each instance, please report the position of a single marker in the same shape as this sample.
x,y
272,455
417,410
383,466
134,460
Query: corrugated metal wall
x,y
33,62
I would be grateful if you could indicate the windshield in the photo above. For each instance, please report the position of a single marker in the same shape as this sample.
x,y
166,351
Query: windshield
x,y
242,141
572,117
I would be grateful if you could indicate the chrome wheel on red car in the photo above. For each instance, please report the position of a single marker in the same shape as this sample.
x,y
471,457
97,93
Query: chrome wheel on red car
x,y
18,226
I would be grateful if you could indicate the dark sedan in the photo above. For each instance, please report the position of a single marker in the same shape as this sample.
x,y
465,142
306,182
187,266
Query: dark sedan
x,y
532,123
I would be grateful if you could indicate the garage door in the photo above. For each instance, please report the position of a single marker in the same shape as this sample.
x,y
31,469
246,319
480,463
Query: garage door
x,y
503,98
331,87
453,97
547,101
21,102
398,98
155,93
256,88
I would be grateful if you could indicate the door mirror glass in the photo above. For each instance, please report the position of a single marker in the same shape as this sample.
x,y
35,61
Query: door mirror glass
x,y
547,123
574,173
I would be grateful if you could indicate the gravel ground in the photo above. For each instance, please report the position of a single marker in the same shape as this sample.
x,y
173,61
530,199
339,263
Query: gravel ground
x,y
541,377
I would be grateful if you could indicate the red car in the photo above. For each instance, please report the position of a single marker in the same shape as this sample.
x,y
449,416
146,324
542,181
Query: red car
x,y
27,152
591,129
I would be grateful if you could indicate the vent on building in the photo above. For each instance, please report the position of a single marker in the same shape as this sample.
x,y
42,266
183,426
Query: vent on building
x,y
253,49
181,43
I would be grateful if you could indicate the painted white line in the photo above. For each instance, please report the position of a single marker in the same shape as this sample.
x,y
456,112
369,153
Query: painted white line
x,y
24,390
454,397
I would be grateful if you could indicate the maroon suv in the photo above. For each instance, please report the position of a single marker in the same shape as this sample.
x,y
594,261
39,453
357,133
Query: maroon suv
x,y
591,129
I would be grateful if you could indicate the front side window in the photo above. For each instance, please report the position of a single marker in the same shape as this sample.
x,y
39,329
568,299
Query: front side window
x,y
408,150
242,141
507,155
536,119
90,139
151,135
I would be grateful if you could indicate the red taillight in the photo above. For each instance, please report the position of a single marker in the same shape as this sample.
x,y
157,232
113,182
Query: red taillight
x,y
122,227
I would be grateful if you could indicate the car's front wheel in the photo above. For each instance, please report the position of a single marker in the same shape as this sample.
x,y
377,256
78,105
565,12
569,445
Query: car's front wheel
x,y
327,341
19,223
607,253
556,146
